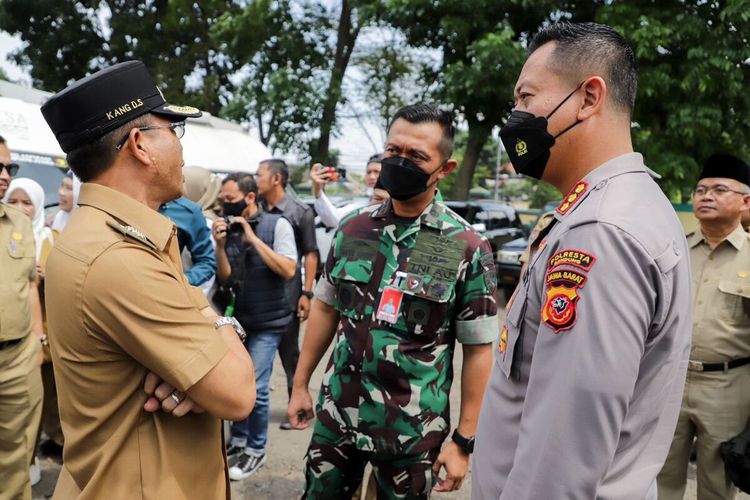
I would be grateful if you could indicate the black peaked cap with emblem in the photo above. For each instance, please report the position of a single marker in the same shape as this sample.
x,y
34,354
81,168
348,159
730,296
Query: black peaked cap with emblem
x,y
97,104
727,167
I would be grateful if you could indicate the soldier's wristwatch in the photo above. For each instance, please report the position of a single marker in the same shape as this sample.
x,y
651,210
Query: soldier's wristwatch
x,y
466,444
228,320
308,294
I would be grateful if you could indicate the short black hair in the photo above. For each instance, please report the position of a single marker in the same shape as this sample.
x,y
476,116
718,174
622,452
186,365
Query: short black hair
x,y
91,160
585,47
427,113
2,140
277,166
376,158
247,184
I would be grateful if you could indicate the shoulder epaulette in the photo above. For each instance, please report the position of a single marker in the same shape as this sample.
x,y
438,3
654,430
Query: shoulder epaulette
x,y
131,232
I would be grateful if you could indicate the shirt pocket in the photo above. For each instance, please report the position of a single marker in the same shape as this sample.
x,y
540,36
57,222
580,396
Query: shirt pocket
x,y
21,262
351,279
734,299
426,313
512,331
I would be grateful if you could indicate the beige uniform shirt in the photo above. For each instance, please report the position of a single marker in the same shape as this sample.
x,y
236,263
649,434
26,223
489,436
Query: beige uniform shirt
x,y
17,272
721,281
118,306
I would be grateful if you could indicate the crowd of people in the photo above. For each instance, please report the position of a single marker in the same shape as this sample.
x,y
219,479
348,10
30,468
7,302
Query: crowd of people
x,y
154,306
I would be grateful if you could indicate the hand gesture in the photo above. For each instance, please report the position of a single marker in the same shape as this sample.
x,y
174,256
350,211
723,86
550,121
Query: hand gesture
x,y
300,409
170,400
219,231
456,463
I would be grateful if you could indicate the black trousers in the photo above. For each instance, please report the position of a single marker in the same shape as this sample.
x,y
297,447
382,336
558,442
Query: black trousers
x,y
289,351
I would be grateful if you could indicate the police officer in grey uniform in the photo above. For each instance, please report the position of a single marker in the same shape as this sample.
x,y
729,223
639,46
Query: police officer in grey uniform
x,y
586,388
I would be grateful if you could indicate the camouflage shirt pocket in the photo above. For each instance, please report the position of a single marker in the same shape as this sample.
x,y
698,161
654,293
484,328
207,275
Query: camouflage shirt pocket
x,y
351,279
426,312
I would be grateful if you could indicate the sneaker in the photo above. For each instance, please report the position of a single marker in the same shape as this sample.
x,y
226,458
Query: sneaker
x,y
285,425
35,472
234,451
246,466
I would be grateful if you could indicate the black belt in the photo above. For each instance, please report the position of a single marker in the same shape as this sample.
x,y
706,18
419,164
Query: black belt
x,y
698,366
10,343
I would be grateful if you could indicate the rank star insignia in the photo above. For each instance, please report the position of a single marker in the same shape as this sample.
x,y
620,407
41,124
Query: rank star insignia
x,y
572,197
559,311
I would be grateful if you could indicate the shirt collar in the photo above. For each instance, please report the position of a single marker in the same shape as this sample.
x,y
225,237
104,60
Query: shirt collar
x,y
737,238
2,209
598,178
157,228
430,216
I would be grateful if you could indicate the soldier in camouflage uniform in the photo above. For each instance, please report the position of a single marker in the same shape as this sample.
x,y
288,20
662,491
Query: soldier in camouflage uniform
x,y
403,281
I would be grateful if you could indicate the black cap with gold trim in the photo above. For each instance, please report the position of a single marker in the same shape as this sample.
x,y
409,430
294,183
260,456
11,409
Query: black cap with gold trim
x,y
99,103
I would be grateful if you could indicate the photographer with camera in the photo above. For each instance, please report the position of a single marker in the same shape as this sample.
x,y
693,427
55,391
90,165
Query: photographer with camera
x,y
321,175
253,250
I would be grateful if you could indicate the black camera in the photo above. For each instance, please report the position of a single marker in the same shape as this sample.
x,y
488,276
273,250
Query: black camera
x,y
233,227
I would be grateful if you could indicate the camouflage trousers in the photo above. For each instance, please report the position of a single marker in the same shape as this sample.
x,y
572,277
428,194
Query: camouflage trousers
x,y
335,467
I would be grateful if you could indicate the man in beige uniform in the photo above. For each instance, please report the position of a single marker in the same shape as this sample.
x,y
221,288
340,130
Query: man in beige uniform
x,y
20,331
119,307
716,401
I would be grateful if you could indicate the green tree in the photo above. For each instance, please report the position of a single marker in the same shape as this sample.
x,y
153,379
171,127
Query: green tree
x,y
66,40
481,56
694,59
281,58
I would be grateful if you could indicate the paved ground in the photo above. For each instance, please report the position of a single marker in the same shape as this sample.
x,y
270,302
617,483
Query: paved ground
x,y
281,478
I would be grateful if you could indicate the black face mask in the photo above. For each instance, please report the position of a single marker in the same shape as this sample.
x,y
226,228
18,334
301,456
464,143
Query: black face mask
x,y
403,179
528,142
234,208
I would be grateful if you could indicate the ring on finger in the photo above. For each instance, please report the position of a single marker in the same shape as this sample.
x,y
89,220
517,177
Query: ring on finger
x,y
175,395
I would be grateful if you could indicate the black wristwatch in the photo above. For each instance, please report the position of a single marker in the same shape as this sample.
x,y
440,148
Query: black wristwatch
x,y
466,444
307,294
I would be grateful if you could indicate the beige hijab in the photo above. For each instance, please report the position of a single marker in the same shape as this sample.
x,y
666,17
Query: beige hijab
x,y
202,187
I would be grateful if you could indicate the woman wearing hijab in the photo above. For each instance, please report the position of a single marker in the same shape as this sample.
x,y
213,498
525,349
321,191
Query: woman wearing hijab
x,y
28,196
68,195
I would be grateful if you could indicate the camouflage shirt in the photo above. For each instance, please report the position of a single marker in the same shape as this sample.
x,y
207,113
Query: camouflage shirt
x,y
405,290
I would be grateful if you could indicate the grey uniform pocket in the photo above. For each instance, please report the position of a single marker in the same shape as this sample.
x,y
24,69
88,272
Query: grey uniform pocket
x,y
512,331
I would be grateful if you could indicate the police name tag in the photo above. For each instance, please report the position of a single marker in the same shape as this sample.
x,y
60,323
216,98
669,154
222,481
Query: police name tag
x,y
390,305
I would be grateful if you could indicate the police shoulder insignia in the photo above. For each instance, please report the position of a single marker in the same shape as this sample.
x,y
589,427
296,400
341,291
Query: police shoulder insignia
x,y
559,310
131,232
572,197
571,257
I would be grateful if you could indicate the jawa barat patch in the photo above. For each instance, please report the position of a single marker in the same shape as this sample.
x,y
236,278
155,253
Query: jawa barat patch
x,y
559,310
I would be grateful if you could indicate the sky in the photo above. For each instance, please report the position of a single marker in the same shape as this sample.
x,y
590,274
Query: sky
x,y
358,141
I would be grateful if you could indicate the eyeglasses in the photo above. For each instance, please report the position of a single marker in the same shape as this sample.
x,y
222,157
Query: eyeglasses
x,y
177,127
718,191
12,168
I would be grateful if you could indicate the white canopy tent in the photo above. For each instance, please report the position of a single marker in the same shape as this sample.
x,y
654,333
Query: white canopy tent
x,y
221,146
210,142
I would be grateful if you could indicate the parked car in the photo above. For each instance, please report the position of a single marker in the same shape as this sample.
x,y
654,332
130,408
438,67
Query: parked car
x,y
497,221
508,260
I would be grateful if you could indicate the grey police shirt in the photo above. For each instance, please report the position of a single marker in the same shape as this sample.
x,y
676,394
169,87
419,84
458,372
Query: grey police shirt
x,y
584,395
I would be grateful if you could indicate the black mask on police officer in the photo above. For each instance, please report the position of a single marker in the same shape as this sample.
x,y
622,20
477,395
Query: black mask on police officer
x,y
528,142
235,208
403,179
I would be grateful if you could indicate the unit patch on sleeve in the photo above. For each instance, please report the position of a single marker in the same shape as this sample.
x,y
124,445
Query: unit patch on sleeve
x,y
572,257
559,310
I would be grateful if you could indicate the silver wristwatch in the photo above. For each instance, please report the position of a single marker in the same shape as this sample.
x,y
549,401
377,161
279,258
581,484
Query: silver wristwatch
x,y
228,320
